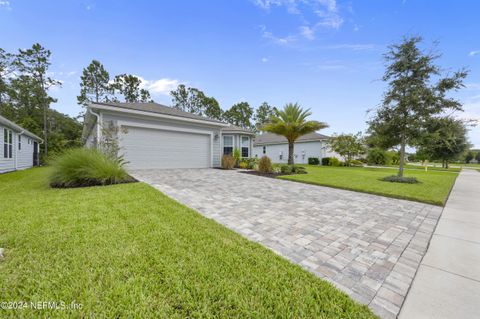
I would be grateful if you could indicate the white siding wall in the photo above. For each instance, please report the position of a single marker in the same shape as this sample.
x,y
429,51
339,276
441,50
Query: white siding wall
x,y
92,138
6,164
175,125
302,151
25,155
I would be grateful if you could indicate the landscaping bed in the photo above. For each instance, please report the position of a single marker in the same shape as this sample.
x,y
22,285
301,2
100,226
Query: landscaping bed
x,y
269,174
128,251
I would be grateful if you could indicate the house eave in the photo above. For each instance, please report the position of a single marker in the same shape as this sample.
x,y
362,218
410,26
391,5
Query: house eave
x,y
285,143
156,115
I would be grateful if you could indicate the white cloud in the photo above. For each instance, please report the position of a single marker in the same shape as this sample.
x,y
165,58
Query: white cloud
x,y
474,53
472,112
354,47
277,40
161,86
5,4
264,60
325,12
472,86
307,32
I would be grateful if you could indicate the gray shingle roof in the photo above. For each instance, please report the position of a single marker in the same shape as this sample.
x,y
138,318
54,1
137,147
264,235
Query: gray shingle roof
x,y
270,138
159,109
236,129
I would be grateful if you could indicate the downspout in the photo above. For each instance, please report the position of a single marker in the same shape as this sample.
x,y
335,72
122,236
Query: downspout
x,y
99,118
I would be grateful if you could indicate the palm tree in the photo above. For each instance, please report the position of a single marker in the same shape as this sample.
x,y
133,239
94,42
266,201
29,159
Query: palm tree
x,y
291,122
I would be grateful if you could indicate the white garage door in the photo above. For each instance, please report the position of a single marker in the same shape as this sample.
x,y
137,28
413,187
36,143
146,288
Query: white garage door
x,y
151,148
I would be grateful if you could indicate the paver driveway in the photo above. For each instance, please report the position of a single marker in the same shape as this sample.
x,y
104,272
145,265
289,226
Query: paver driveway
x,y
368,246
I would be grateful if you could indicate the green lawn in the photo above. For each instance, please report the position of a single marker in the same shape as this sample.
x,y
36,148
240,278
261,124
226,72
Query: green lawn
x,y
434,187
430,168
128,251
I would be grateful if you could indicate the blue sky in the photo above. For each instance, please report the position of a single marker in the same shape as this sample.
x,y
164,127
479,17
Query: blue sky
x,y
323,54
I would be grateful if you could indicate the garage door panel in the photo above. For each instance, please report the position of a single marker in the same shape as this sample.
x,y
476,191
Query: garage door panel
x,y
152,148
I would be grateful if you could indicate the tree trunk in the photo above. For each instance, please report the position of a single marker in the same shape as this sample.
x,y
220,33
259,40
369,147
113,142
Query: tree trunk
x,y
290,153
402,157
45,117
446,164
45,127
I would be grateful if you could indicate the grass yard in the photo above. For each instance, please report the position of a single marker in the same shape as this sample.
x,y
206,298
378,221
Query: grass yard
x,y
430,168
128,251
434,187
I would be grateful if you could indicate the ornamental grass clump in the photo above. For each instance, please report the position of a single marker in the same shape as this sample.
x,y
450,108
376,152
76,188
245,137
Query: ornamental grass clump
x,y
265,165
81,167
228,162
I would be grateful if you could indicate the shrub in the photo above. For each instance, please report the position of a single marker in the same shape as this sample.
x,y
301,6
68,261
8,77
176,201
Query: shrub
x,y
237,155
80,167
292,169
356,163
393,158
243,165
286,169
298,170
325,161
397,179
265,165
313,161
333,161
251,162
228,162
377,156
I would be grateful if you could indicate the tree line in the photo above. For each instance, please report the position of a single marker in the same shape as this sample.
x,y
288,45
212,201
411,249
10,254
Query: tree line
x,y
25,82
97,86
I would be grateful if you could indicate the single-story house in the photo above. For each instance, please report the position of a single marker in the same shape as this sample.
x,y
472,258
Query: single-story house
x,y
153,136
20,148
276,147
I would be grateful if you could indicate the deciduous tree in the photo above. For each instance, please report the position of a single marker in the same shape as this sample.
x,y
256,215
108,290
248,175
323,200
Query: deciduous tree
x,y
411,98
195,101
444,139
240,114
347,145
263,114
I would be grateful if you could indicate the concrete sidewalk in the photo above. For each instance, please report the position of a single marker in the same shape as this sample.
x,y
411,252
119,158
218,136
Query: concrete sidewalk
x,y
447,284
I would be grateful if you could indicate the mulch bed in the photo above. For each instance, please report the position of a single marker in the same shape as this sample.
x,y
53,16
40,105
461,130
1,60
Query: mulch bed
x,y
92,183
271,175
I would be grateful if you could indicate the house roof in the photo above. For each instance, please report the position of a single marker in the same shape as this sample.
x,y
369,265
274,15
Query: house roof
x,y
237,129
158,109
17,128
270,138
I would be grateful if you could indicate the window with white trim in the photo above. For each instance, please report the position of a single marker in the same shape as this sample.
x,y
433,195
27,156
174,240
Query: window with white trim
x,y
227,144
19,142
245,146
264,150
7,143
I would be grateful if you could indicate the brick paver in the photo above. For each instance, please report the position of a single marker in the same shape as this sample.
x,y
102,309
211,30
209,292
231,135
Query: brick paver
x,y
368,246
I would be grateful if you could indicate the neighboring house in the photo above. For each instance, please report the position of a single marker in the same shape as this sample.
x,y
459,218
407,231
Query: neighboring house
x,y
276,147
151,135
19,147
